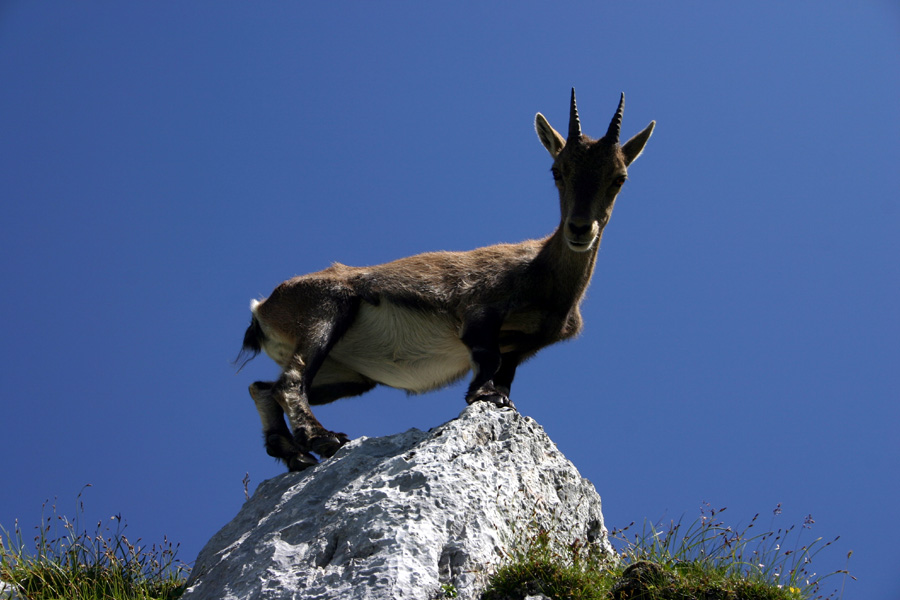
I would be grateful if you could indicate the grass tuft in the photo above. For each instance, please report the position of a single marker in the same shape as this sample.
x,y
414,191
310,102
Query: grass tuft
x,y
69,562
541,564
705,559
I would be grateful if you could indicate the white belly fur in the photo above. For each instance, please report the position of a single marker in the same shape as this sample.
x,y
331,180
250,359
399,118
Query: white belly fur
x,y
403,348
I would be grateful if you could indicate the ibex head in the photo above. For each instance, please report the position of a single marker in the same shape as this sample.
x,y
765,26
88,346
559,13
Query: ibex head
x,y
589,173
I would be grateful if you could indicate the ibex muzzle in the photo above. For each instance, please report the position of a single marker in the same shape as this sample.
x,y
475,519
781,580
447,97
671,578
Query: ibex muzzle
x,y
422,322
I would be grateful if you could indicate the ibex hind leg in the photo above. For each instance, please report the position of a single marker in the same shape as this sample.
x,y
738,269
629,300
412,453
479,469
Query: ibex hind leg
x,y
290,392
294,389
278,439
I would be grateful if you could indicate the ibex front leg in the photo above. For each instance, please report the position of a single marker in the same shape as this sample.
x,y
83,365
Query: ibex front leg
x,y
481,335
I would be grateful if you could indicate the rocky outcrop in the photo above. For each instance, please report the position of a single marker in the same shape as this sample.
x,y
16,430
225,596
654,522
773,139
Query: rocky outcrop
x,y
411,515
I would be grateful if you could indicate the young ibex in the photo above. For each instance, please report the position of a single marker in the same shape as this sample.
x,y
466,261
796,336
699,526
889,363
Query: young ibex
x,y
422,322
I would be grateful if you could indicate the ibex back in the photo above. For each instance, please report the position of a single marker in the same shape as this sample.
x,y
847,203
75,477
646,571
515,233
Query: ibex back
x,y
422,322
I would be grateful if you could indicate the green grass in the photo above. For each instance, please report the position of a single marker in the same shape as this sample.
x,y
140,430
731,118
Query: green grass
x,y
705,559
71,563
542,564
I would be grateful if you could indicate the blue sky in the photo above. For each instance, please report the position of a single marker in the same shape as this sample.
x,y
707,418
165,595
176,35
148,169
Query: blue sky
x,y
163,163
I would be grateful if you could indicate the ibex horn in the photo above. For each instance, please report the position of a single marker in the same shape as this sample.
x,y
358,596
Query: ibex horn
x,y
574,123
612,134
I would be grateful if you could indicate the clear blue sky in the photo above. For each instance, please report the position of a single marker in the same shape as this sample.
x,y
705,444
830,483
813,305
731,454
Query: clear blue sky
x,y
163,163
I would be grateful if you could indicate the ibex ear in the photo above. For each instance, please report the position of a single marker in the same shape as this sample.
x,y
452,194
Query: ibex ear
x,y
633,147
549,137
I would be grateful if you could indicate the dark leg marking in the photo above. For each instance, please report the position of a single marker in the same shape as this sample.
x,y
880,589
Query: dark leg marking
x,y
482,336
278,440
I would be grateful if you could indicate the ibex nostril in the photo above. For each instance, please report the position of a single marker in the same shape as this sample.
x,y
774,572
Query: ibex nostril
x,y
579,229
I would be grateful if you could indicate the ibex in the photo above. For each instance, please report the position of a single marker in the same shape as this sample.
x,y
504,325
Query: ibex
x,y
422,322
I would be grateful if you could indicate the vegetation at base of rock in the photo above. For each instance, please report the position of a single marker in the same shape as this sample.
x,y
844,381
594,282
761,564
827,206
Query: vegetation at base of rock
x,y
706,559
69,562
542,565
703,560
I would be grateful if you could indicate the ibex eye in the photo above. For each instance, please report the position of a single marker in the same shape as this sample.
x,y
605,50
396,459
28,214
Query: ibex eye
x,y
619,181
556,174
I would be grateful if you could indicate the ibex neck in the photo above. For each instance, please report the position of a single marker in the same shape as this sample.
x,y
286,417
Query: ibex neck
x,y
570,270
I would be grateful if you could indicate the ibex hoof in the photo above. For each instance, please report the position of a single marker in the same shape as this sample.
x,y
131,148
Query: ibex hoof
x,y
300,461
497,398
327,445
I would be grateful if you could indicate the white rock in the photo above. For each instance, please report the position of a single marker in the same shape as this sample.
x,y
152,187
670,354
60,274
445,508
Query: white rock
x,y
398,516
7,592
